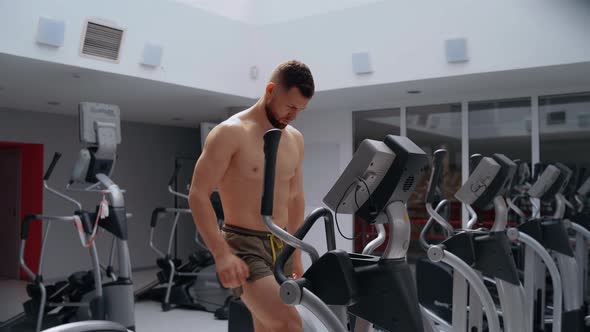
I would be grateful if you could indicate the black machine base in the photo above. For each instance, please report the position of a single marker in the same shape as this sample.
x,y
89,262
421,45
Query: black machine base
x,y
240,318
180,298
435,287
573,321
396,291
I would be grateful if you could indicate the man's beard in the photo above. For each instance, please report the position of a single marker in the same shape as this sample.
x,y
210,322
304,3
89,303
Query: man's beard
x,y
271,118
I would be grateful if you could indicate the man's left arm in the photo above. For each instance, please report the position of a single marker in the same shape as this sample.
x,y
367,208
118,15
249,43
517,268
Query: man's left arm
x,y
297,206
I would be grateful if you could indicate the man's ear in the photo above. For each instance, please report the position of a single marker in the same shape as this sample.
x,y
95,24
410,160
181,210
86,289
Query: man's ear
x,y
270,88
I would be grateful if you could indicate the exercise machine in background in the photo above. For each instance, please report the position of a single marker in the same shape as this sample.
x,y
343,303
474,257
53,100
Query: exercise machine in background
x,y
457,307
84,295
192,284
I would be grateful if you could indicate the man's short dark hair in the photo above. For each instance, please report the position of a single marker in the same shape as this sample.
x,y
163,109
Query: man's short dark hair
x,y
294,73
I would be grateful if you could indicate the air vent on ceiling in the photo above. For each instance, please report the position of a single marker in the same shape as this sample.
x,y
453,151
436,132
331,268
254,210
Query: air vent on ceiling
x,y
102,41
408,183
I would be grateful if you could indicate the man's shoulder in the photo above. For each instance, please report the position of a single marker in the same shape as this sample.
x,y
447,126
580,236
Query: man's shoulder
x,y
226,134
295,133
230,126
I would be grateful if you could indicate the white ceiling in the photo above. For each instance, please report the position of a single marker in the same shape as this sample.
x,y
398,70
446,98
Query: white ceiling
x,y
240,10
260,12
28,84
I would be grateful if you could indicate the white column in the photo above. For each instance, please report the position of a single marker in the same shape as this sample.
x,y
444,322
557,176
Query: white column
x,y
464,155
403,124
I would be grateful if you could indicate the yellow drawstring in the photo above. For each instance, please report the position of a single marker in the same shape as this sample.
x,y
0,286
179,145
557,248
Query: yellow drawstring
x,y
274,241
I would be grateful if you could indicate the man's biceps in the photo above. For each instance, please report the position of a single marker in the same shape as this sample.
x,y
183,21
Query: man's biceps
x,y
210,174
213,160
206,176
218,158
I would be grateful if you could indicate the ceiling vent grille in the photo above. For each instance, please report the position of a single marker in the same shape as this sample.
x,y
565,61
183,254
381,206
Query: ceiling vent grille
x,y
102,41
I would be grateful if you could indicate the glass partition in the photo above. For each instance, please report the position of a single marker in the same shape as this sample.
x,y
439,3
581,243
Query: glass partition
x,y
501,126
374,124
434,127
564,130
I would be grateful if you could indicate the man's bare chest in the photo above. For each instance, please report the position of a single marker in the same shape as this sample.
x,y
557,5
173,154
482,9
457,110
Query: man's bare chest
x,y
248,161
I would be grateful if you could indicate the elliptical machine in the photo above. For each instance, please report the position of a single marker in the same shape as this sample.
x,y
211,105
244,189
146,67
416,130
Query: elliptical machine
x,y
538,259
551,184
455,255
487,251
376,290
194,284
581,217
578,221
486,187
51,305
552,237
84,296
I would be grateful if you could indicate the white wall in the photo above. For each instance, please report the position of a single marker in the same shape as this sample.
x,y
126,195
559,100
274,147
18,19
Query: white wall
x,y
321,168
201,50
146,161
406,39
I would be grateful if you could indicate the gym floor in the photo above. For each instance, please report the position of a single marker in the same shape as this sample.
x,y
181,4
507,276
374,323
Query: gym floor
x,y
148,315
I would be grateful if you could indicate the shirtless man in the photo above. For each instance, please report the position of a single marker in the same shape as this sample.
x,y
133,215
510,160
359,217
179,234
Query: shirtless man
x,y
233,160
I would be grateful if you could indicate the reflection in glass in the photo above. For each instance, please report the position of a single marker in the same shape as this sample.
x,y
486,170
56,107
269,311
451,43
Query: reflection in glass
x,y
501,126
375,124
436,127
564,129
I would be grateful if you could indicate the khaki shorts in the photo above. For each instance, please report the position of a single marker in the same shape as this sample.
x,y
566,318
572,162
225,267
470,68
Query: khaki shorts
x,y
255,248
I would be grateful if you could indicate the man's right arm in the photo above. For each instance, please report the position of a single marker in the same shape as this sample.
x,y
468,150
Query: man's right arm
x,y
220,146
